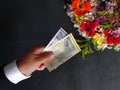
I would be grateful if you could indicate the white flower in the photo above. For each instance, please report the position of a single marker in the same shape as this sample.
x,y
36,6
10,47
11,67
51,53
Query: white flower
x,y
76,25
103,46
117,48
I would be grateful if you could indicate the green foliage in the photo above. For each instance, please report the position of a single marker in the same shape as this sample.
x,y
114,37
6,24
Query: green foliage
x,y
86,47
106,25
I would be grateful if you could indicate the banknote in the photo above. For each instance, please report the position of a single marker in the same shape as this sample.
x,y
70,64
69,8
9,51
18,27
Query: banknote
x,y
58,36
63,50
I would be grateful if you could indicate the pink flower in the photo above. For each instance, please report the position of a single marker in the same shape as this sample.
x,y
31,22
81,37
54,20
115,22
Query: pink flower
x,y
89,27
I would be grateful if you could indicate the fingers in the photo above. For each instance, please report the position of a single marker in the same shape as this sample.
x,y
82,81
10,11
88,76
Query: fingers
x,y
41,67
41,57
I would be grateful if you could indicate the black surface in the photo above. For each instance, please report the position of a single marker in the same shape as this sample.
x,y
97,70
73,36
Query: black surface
x,y
28,23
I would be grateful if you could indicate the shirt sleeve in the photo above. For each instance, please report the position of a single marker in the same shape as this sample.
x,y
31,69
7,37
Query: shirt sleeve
x,y
13,74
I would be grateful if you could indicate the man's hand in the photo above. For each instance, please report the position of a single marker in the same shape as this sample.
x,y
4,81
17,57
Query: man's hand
x,y
34,60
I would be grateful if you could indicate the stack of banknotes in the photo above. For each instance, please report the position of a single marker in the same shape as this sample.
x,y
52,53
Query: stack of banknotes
x,y
64,46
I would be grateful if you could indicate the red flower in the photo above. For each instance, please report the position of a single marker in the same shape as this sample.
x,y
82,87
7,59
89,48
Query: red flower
x,y
89,27
81,7
111,39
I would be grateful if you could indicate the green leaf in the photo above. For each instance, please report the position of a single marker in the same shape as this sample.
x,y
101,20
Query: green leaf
x,y
86,47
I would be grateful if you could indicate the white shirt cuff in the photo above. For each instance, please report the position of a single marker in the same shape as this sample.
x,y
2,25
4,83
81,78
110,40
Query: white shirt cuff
x,y
13,74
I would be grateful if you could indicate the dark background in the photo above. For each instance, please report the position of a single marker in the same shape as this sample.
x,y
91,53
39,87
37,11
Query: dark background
x,y
28,23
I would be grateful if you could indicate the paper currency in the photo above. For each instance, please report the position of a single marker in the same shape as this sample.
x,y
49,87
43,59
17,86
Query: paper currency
x,y
63,50
58,36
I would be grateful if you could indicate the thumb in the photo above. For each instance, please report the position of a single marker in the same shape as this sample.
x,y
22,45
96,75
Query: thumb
x,y
46,56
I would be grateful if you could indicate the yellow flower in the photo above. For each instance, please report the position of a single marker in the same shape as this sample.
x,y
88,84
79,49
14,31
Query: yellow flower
x,y
99,39
78,19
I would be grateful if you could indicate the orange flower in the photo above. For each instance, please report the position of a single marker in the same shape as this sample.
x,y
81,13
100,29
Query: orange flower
x,y
81,7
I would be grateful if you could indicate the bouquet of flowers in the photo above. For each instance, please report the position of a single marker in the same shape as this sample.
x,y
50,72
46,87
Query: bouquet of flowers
x,y
97,21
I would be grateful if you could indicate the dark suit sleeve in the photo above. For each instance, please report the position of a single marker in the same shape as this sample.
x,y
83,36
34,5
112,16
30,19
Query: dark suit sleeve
x,y
5,84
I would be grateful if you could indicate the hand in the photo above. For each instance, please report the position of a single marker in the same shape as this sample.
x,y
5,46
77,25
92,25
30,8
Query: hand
x,y
34,60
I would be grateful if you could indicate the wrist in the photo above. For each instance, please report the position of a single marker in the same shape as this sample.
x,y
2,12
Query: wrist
x,y
24,69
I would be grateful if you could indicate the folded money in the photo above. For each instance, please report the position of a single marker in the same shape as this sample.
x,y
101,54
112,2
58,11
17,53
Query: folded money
x,y
63,50
59,35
